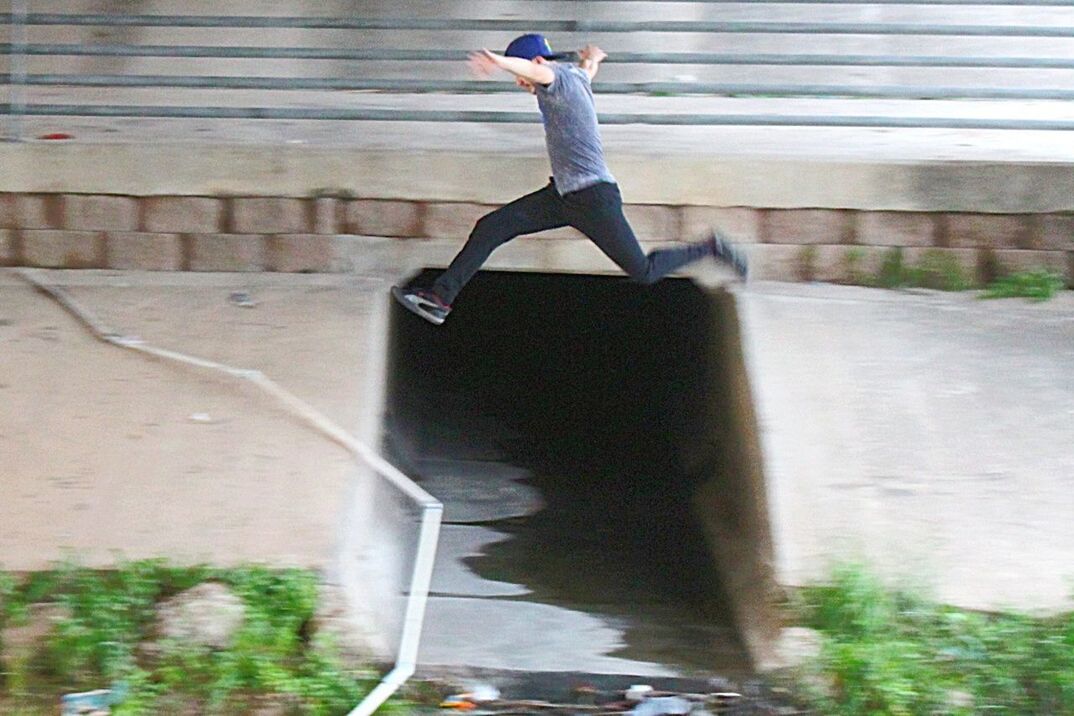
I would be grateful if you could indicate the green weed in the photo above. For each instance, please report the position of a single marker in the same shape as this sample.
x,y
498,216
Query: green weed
x,y
807,262
935,269
892,272
891,651
112,615
938,270
1037,285
853,271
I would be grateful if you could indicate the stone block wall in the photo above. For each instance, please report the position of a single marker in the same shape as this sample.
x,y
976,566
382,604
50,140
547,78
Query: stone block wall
x,y
239,233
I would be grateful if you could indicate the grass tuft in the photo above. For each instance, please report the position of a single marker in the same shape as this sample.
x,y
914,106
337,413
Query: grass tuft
x,y
891,651
112,616
1038,285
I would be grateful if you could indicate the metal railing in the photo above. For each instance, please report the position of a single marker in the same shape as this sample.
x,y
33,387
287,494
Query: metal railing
x,y
21,82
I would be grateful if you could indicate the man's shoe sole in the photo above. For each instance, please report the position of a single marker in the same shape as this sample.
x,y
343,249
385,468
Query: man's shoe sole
x,y
400,296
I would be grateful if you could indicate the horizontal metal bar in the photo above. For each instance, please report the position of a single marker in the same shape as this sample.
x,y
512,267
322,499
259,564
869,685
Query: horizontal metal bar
x,y
381,115
456,24
17,65
662,58
469,87
1012,3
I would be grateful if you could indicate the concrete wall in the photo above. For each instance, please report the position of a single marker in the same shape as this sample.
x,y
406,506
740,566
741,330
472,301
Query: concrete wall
x,y
928,434
733,502
333,234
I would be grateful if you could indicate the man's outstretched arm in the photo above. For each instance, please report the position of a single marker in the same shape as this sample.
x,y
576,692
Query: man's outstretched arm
x,y
485,62
589,59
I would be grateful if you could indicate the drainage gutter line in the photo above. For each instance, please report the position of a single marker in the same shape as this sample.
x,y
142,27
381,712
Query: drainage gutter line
x,y
431,508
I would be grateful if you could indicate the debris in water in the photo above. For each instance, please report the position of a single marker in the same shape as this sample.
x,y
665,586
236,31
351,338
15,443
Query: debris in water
x,y
93,703
637,692
638,700
458,702
661,706
481,693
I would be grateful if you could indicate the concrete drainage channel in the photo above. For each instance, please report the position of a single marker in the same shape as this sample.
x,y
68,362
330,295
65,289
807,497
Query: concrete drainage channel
x,y
593,442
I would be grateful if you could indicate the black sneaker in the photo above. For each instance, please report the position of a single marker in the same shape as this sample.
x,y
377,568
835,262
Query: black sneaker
x,y
424,303
728,253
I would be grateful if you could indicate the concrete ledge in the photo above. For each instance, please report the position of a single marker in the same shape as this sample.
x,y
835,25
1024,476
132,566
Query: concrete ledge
x,y
305,208
702,178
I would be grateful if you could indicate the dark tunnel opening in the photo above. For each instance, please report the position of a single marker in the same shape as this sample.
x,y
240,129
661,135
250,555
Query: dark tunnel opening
x,y
603,389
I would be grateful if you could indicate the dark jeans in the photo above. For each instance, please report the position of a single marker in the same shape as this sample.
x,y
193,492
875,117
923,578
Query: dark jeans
x,y
596,211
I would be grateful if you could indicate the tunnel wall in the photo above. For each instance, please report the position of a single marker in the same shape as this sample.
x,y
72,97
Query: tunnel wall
x,y
733,502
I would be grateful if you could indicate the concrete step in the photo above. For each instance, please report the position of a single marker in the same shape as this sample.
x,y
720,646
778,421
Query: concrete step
x,y
687,106
612,42
559,9
684,75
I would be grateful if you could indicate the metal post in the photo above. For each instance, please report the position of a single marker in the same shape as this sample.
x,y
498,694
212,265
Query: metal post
x,y
17,62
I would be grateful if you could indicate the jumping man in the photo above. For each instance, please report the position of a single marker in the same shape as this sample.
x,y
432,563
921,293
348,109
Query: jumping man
x,y
582,192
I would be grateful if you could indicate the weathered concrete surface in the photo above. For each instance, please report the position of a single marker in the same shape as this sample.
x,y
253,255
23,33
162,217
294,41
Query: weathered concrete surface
x,y
104,449
929,433
539,12
773,167
779,167
106,454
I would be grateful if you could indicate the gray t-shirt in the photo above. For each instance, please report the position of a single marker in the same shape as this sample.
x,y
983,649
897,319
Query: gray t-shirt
x,y
570,130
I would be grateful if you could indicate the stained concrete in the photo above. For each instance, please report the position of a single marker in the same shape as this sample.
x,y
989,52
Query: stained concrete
x,y
776,167
929,433
107,450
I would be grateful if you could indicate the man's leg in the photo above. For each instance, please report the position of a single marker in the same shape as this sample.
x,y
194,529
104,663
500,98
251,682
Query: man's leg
x,y
597,212
541,210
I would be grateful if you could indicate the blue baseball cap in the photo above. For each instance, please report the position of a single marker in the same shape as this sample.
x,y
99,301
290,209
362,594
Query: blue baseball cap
x,y
532,45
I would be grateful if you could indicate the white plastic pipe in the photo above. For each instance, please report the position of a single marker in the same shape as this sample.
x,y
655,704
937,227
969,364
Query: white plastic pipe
x,y
431,508
407,660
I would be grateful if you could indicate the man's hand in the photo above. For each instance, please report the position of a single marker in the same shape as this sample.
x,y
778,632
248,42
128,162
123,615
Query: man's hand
x,y
592,53
482,64
590,58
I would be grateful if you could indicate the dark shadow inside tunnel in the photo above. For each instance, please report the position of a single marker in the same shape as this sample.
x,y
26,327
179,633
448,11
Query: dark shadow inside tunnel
x,y
609,393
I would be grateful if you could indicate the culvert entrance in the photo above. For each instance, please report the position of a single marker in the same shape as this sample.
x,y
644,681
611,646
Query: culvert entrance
x,y
589,440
